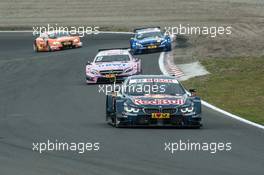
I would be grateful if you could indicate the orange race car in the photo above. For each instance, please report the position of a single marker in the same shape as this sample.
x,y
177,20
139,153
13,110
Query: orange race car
x,y
51,41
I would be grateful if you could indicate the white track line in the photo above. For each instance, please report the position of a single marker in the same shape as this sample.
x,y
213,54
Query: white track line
x,y
165,72
231,115
161,64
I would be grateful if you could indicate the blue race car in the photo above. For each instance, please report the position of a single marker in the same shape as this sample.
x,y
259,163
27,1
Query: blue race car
x,y
149,39
153,100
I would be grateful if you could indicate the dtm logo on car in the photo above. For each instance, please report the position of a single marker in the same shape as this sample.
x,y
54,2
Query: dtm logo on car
x,y
159,102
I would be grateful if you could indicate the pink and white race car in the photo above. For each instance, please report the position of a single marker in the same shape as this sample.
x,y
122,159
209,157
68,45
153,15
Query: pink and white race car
x,y
112,65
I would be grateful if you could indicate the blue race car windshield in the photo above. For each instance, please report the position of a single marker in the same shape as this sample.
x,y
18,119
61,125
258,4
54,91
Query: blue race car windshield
x,y
154,88
141,36
111,58
58,35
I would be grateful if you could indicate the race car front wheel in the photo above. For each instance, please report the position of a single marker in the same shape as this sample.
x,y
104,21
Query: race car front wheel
x,y
168,48
35,47
113,121
48,46
135,51
116,122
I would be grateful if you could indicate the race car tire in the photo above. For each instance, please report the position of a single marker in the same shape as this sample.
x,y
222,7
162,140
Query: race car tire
x,y
107,115
107,112
116,124
168,48
135,52
111,120
49,48
140,72
35,47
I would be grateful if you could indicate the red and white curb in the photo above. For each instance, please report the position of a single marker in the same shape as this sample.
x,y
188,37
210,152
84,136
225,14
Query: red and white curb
x,y
166,59
171,67
168,67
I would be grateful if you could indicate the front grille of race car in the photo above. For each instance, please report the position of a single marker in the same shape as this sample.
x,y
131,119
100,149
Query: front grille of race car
x,y
66,44
149,111
153,43
116,72
110,80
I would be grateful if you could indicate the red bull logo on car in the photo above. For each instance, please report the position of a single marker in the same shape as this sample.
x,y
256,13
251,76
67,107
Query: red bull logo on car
x,y
159,102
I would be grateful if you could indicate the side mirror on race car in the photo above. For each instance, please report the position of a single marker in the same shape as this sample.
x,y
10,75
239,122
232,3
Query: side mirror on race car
x,y
88,63
193,92
136,59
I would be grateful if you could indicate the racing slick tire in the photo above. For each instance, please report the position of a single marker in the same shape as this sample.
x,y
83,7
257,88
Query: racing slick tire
x,y
49,48
135,52
117,122
107,113
35,47
112,120
168,48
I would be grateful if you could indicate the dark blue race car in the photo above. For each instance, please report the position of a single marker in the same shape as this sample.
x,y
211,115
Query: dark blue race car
x,y
149,39
153,100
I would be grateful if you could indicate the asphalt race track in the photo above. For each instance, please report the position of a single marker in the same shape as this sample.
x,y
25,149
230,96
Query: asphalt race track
x,y
44,96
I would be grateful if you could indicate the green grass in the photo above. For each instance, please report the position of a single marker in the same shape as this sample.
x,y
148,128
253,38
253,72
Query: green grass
x,y
235,85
